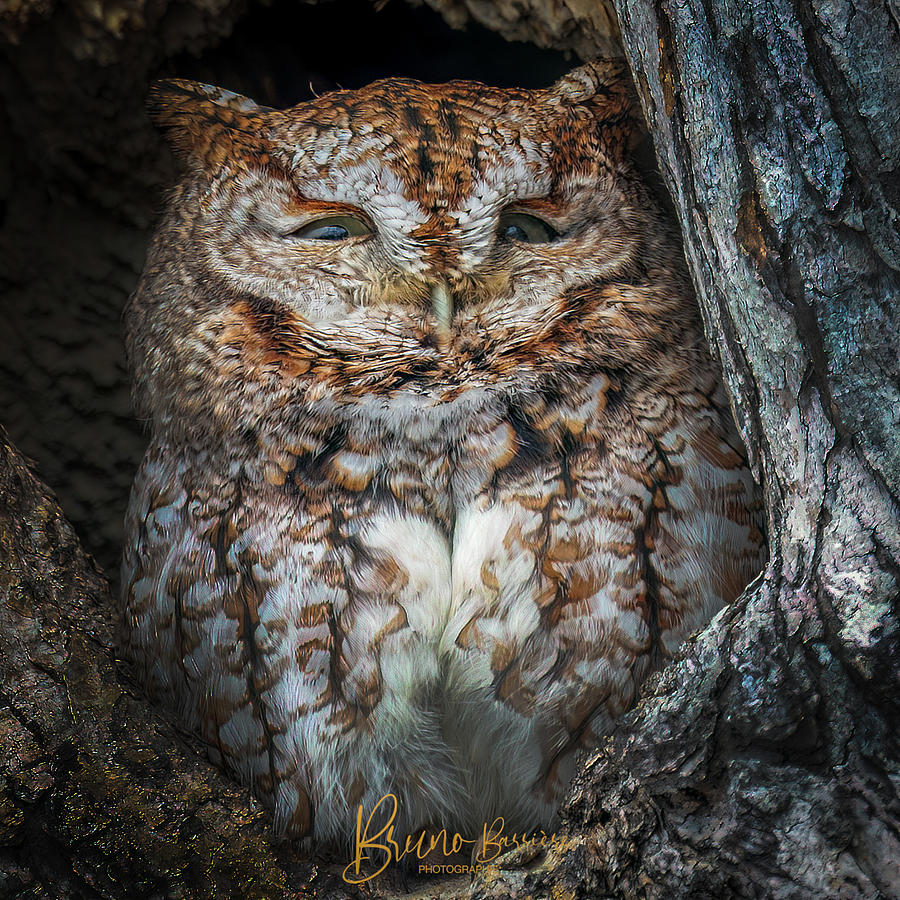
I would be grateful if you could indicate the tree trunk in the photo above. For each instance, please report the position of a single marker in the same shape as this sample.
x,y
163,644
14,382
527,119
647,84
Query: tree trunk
x,y
764,762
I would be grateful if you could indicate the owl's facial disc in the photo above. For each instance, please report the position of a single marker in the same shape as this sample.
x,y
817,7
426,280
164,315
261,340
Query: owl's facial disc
x,y
407,224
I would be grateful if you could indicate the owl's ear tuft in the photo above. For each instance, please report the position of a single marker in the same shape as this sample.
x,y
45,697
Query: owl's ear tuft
x,y
203,123
606,88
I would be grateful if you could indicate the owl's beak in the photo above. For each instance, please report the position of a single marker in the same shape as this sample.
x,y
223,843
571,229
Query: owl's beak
x,y
442,309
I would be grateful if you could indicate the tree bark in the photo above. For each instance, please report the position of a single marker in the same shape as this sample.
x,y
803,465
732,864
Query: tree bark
x,y
762,763
587,27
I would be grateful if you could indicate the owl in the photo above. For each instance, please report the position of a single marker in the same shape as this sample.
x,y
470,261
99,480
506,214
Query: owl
x,y
440,466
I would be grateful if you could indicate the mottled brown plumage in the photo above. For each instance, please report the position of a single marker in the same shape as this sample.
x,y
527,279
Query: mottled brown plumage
x,y
432,489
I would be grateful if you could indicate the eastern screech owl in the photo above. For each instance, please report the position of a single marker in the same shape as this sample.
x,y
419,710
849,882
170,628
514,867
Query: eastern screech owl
x,y
440,466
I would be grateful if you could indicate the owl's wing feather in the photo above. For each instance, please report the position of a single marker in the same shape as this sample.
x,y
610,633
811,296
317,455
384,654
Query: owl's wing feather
x,y
589,567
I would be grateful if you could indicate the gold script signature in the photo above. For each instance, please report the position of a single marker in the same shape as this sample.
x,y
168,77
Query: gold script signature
x,y
368,847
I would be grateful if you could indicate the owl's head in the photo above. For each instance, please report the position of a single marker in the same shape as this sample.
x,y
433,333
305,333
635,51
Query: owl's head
x,y
404,237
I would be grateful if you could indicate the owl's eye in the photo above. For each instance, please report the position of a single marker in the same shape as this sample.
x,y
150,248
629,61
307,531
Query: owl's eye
x,y
332,228
525,228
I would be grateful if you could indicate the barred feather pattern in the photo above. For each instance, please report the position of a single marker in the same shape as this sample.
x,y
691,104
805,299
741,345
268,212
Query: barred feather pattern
x,y
372,553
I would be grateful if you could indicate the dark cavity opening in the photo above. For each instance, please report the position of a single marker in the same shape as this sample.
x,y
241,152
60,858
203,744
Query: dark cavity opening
x,y
288,52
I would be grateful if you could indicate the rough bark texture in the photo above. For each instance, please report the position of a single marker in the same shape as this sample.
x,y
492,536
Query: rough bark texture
x,y
764,763
587,27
